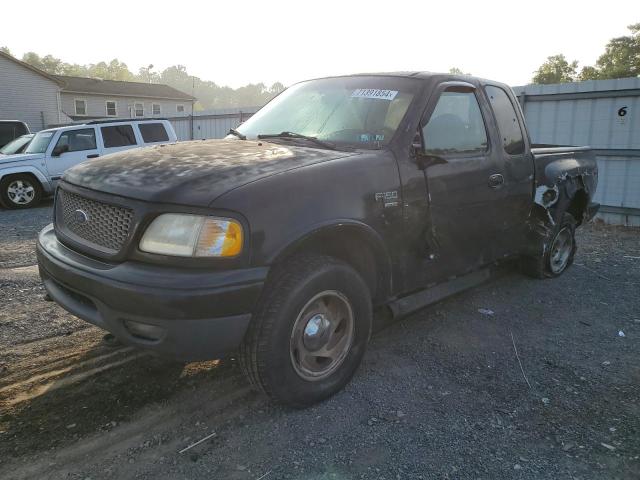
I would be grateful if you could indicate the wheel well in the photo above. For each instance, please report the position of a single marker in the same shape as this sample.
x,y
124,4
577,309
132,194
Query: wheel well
x,y
578,205
352,247
9,176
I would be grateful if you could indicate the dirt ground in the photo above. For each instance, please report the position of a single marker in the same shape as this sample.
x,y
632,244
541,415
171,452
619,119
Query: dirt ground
x,y
440,395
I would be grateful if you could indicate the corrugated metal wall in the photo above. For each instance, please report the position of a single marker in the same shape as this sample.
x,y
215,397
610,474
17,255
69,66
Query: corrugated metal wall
x,y
604,114
210,123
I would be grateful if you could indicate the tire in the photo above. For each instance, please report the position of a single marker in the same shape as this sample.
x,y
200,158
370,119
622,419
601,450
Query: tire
x,y
20,191
300,309
559,251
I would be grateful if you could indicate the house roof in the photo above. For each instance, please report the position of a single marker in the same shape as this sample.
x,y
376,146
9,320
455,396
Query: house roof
x,y
120,88
30,67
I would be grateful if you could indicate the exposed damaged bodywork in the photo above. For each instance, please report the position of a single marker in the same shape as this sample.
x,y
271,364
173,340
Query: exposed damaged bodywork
x,y
565,181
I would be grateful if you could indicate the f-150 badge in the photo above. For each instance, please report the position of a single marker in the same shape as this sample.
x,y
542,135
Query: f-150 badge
x,y
390,199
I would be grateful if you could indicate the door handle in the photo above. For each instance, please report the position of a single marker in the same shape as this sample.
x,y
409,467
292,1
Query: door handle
x,y
93,155
496,180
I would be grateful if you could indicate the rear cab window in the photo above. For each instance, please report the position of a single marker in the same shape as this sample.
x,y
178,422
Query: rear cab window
x,y
153,132
511,135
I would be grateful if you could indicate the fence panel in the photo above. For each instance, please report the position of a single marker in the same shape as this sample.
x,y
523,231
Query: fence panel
x,y
604,114
210,124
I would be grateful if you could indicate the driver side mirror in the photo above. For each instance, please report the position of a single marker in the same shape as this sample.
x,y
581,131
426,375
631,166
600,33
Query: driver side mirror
x,y
424,159
59,150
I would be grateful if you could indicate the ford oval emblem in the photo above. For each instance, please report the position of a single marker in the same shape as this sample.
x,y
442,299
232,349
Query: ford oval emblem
x,y
80,216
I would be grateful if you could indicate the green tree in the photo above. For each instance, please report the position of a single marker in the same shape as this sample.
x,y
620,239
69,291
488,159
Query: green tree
x,y
556,70
589,73
209,94
146,75
621,57
48,63
457,71
114,70
5,50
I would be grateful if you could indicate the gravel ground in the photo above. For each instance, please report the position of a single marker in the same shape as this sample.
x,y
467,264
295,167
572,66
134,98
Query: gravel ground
x,y
440,395
18,231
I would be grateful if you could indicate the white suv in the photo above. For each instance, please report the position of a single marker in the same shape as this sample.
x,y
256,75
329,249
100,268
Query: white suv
x,y
26,178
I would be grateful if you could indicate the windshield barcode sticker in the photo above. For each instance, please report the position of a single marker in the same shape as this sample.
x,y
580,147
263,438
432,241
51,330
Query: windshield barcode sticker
x,y
374,93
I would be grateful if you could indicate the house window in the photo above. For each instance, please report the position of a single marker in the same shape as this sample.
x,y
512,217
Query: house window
x,y
111,109
138,109
180,108
81,106
155,108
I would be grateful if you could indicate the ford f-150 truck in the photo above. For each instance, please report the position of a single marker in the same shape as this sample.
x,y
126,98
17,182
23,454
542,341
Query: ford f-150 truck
x,y
341,195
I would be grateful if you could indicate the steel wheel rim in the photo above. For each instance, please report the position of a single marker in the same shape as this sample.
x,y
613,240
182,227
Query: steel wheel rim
x,y
21,192
322,335
561,250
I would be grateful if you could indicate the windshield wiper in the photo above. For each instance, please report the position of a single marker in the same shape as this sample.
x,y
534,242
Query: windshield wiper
x,y
294,135
233,131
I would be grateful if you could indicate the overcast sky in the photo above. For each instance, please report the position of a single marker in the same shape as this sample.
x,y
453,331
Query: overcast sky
x,y
238,42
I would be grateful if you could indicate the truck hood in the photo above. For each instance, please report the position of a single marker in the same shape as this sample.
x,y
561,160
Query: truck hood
x,y
192,173
20,157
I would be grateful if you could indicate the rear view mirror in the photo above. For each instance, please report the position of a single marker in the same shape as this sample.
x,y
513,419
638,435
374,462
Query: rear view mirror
x,y
59,150
424,159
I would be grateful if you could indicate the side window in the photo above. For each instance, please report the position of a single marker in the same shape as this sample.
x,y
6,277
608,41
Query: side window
x,y
456,125
77,140
153,132
138,109
7,133
505,113
118,136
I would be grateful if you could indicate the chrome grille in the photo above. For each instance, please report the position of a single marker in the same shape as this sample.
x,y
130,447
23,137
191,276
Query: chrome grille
x,y
96,223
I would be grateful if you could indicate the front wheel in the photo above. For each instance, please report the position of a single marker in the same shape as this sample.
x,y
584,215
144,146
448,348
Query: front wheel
x,y
20,191
309,332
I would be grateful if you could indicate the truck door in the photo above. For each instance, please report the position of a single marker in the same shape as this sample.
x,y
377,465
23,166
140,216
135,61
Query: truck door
x,y
464,181
71,148
517,169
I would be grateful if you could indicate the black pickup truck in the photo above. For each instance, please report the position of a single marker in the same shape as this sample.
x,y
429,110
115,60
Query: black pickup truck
x,y
341,195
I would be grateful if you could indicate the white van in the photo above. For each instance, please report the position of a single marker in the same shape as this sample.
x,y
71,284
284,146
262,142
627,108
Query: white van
x,y
27,177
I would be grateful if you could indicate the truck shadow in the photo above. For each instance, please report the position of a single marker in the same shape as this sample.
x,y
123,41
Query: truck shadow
x,y
79,385
57,400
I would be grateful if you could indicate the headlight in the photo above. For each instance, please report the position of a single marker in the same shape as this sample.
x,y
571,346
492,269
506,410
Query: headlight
x,y
185,235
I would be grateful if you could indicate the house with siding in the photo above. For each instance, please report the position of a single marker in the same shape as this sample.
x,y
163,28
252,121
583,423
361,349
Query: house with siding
x,y
42,100
91,98
29,94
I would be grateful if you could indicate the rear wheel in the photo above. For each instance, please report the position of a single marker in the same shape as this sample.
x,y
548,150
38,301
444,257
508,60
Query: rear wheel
x,y
560,248
20,191
309,332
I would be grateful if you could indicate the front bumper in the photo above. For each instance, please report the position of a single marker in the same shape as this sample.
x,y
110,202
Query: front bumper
x,y
186,314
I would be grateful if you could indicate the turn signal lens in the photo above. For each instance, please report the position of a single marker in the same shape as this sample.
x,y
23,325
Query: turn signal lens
x,y
219,238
